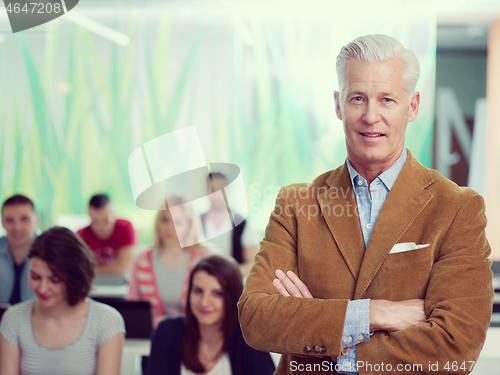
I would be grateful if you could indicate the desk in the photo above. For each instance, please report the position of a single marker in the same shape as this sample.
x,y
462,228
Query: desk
x,y
114,291
133,350
496,282
114,286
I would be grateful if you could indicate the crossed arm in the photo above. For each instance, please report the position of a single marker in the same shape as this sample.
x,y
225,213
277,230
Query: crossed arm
x,y
384,315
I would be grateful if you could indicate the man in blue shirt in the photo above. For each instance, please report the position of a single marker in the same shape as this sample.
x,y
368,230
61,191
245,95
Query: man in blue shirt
x,y
386,262
20,221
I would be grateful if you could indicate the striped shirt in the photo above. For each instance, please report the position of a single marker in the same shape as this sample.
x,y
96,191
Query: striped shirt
x,y
77,358
143,285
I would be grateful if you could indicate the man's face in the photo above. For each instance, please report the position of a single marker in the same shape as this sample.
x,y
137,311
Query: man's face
x,y
20,222
102,221
375,112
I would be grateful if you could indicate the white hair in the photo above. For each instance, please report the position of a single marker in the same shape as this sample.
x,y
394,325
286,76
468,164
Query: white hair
x,y
378,48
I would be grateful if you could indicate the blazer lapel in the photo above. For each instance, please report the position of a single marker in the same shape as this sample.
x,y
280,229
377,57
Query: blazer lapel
x,y
338,206
404,203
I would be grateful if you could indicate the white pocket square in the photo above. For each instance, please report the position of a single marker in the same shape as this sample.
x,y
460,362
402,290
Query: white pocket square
x,y
406,246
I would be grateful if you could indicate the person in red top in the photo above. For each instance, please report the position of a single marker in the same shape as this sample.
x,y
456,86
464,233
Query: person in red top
x,y
110,239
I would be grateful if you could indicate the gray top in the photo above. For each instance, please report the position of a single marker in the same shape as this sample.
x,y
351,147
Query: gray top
x,y
170,282
7,274
77,358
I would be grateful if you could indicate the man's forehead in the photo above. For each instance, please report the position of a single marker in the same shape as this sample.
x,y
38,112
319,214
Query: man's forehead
x,y
17,210
102,212
381,77
364,90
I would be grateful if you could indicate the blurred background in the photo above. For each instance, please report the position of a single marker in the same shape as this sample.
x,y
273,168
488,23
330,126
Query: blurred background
x,y
256,78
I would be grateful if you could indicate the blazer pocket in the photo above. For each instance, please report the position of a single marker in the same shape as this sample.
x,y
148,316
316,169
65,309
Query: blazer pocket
x,y
411,258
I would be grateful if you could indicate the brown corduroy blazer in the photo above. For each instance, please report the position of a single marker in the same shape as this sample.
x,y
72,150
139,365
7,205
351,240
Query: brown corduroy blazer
x,y
315,232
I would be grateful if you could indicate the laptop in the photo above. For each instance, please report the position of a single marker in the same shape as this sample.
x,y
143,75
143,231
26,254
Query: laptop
x,y
136,315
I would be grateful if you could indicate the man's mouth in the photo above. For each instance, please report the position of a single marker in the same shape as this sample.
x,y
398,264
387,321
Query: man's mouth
x,y
372,135
17,236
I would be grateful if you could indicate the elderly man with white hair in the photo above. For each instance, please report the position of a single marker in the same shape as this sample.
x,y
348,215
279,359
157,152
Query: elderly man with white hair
x,y
381,265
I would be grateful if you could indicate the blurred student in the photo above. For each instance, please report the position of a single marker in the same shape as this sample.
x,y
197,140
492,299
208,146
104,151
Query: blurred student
x,y
110,239
20,221
161,274
61,331
208,340
239,242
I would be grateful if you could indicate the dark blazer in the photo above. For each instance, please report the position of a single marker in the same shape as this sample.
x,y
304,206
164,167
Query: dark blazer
x,y
314,231
237,233
166,355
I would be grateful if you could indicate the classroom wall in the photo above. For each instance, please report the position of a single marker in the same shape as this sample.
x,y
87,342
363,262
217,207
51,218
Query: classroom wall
x,y
256,82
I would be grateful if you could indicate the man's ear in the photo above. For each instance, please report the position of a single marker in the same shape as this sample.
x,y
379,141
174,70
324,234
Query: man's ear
x,y
336,96
414,105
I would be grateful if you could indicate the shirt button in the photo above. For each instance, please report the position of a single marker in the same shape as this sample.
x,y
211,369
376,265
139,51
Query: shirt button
x,y
368,226
348,339
322,350
361,337
360,182
316,349
307,349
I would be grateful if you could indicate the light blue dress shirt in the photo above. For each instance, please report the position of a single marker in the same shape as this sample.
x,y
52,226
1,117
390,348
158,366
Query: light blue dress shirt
x,y
369,203
7,276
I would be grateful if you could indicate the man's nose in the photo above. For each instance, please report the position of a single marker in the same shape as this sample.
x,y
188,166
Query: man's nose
x,y
371,115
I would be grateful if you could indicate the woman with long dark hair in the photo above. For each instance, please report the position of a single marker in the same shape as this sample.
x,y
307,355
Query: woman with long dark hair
x,y
61,331
208,339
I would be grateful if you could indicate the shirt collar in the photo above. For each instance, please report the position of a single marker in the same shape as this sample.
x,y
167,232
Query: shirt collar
x,y
388,177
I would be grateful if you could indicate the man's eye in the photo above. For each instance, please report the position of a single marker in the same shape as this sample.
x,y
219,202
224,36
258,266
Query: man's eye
x,y
388,100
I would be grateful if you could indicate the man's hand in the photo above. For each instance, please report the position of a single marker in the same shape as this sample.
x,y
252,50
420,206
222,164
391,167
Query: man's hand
x,y
121,266
290,285
395,316
384,315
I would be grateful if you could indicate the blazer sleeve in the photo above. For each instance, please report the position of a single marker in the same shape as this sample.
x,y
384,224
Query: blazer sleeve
x,y
271,322
458,303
